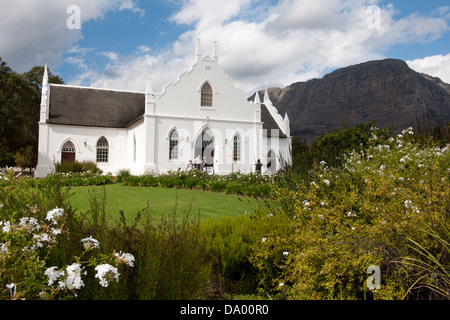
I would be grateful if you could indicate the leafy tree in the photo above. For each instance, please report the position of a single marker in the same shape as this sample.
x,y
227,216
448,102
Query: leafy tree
x,y
25,158
20,96
34,77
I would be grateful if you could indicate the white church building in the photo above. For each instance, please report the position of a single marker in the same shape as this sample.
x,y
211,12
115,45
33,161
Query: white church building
x,y
202,113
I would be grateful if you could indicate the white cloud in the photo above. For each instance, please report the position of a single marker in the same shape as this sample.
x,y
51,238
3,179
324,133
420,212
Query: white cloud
x,y
207,13
260,44
35,32
296,40
438,66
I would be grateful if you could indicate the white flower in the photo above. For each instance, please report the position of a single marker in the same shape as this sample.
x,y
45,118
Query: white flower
x,y
55,231
285,253
315,185
326,181
351,214
73,280
54,214
264,239
3,248
408,203
10,285
90,243
29,224
6,226
126,258
12,289
281,284
41,237
106,273
53,274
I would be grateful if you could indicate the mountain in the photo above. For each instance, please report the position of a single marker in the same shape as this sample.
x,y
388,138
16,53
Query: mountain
x,y
384,90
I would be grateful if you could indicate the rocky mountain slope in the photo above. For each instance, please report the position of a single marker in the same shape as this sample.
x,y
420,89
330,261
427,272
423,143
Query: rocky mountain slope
x,y
384,90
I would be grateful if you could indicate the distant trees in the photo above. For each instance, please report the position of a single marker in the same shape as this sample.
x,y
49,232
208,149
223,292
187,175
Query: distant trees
x,y
20,96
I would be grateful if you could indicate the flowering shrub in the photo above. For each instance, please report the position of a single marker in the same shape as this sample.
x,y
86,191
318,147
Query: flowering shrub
x,y
48,251
364,213
87,178
27,243
385,202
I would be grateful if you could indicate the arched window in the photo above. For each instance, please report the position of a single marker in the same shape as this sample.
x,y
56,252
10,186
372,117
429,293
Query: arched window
x,y
207,95
102,150
68,152
237,148
173,145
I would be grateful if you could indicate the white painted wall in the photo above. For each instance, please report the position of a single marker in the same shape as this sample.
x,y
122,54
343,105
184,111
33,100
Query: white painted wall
x,y
145,146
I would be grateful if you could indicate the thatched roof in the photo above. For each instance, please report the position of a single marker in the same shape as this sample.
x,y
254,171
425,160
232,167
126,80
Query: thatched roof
x,y
269,122
94,107
91,107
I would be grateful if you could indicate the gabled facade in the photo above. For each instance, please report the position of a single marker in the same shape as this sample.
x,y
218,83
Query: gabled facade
x,y
202,113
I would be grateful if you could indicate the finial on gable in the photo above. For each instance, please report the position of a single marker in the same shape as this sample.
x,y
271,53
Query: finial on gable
x,y
45,79
266,97
198,54
257,100
45,86
149,89
45,101
215,55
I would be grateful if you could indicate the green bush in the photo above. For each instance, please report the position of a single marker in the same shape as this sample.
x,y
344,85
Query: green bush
x,y
242,184
76,166
173,262
384,202
365,212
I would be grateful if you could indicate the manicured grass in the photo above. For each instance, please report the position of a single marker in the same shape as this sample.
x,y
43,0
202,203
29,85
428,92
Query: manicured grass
x,y
162,201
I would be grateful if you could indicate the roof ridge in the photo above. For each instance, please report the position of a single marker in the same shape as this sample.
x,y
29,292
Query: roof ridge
x,y
95,88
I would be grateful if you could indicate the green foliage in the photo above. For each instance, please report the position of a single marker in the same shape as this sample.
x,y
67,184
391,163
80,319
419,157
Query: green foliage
x,y
363,212
254,185
76,166
25,158
20,104
173,260
171,257
384,201
26,238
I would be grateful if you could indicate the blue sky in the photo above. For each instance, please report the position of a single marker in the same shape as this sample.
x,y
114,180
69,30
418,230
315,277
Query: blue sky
x,y
261,43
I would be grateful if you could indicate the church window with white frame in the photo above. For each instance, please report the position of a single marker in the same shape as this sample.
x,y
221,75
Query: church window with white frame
x,y
102,150
173,145
237,148
207,95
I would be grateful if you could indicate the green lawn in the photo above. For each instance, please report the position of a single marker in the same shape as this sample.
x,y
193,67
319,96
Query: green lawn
x,y
162,201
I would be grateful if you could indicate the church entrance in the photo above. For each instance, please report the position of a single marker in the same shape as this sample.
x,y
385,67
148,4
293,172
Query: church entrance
x,y
68,152
204,147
